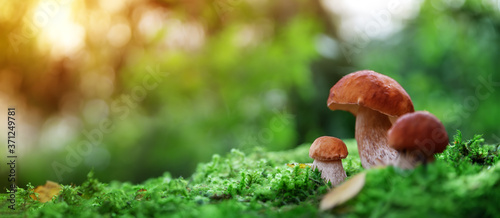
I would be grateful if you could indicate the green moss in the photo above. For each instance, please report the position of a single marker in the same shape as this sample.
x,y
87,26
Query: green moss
x,y
431,190
463,181
471,152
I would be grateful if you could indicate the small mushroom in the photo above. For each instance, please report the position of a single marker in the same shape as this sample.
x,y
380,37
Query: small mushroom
x,y
376,100
417,137
327,153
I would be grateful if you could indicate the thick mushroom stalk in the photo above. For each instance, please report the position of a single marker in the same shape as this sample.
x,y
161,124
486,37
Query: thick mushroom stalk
x,y
332,171
371,135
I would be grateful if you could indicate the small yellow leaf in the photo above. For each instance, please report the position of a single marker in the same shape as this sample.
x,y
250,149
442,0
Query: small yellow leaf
x,y
301,165
47,191
344,192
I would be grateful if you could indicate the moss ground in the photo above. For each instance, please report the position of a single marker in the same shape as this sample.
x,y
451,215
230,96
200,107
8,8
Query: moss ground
x,y
463,181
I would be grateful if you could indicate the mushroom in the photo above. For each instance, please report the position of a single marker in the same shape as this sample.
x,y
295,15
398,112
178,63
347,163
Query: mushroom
x,y
327,153
376,100
417,137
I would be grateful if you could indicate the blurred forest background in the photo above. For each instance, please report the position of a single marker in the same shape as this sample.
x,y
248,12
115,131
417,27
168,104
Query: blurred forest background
x,y
162,85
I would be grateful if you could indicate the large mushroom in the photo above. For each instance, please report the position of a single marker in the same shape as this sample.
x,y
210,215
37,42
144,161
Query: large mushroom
x,y
377,101
417,137
328,153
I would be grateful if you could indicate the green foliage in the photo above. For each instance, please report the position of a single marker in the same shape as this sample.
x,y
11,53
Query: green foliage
x,y
90,186
25,196
238,184
433,190
71,195
259,178
473,151
464,181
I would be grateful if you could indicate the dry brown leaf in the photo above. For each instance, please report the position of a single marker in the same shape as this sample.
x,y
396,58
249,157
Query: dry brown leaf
x,y
344,192
140,194
47,191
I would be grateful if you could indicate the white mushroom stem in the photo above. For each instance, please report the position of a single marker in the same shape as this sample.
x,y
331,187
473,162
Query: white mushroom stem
x,y
409,159
332,171
371,135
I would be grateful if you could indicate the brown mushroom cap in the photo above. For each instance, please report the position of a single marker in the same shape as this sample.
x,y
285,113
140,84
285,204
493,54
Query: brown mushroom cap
x,y
372,90
327,148
418,131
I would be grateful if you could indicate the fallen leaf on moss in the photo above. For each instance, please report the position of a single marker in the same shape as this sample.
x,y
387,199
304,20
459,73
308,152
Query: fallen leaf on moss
x,y
344,192
140,194
47,191
301,165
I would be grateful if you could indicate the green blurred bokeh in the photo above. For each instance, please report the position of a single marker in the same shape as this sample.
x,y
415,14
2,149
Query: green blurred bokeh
x,y
175,82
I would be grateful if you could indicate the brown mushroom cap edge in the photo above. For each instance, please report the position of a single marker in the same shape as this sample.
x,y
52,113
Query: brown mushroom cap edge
x,y
372,90
419,130
327,148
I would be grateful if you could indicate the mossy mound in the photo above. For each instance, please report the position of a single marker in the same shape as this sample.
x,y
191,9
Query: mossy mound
x,y
463,181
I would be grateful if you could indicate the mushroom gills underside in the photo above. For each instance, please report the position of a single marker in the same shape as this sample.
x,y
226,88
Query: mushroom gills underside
x,y
409,159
